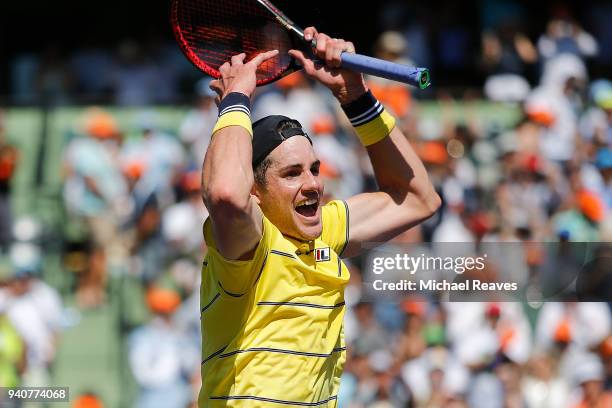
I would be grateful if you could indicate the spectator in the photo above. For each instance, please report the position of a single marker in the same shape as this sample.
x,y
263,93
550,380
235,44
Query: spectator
x,y
149,250
435,377
177,226
91,278
9,158
93,69
596,123
12,349
392,46
340,161
35,310
589,374
135,78
543,387
161,156
508,58
507,50
553,105
564,35
572,327
372,336
295,97
88,400
162,358
94,188
509,374
580,223
196,128
12,354
54,79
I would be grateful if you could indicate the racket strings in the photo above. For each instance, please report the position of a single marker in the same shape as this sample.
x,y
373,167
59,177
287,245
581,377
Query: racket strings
x,y
211,32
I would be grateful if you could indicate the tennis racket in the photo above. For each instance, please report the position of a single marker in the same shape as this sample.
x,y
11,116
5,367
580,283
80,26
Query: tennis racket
x,y
210,32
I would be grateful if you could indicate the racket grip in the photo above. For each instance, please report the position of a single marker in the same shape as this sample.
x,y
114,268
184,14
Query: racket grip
x,y
418,77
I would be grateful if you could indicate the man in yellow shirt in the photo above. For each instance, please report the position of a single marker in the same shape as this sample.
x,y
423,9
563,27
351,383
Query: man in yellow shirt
x,y
272,295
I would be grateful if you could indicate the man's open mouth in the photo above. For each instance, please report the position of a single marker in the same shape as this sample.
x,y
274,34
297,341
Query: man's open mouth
x,y
307,208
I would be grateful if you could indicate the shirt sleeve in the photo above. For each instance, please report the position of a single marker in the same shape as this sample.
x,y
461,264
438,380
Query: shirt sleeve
x,y
235,278
335,218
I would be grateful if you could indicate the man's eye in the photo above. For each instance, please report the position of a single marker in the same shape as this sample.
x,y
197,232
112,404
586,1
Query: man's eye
x,y
315,171
292,174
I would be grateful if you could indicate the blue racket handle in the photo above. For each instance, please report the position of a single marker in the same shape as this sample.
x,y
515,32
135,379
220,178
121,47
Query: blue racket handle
x,y
418,77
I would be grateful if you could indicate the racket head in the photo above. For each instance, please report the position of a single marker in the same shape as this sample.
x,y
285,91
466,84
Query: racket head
x,y
210,32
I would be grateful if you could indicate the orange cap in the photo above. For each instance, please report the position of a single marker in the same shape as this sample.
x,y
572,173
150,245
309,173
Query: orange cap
x,y
328,170
87,401
563,332
99,123
506,335
163,301
541,117
433,153
413,307
394,96
191,181
290,81
591,205
134,169
323,124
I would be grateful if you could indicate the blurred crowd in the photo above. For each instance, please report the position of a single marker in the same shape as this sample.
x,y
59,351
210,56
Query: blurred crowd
x,y
134,73
502,42
136,202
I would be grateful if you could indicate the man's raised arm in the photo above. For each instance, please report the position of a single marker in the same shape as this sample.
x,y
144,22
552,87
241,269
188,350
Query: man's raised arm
x,y
227,175
406,197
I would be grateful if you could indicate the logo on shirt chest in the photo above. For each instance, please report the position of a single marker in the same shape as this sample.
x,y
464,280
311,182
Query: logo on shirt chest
x,y
322,254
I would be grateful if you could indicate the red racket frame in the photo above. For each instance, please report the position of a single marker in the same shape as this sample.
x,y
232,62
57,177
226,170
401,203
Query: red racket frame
x,y
205,67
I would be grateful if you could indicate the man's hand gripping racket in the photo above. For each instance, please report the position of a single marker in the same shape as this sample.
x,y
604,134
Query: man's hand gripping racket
x,y
238,76
210,32
326,65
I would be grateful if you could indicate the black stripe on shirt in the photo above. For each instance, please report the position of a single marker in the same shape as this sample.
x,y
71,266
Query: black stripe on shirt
x,y
211,302
281,351
300,304
283,402
281,253
263,265
213,355
346,238
236,295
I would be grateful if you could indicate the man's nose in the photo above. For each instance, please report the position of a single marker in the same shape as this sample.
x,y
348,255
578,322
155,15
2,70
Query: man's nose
x,y
311,182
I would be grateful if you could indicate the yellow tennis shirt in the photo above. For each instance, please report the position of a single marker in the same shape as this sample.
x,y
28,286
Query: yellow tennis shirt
x,y
272,327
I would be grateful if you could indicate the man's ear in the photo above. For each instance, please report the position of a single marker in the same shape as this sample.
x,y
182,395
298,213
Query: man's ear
x,y
256,195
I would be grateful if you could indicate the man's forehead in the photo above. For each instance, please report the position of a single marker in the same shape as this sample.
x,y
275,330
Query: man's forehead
x,y
295,150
